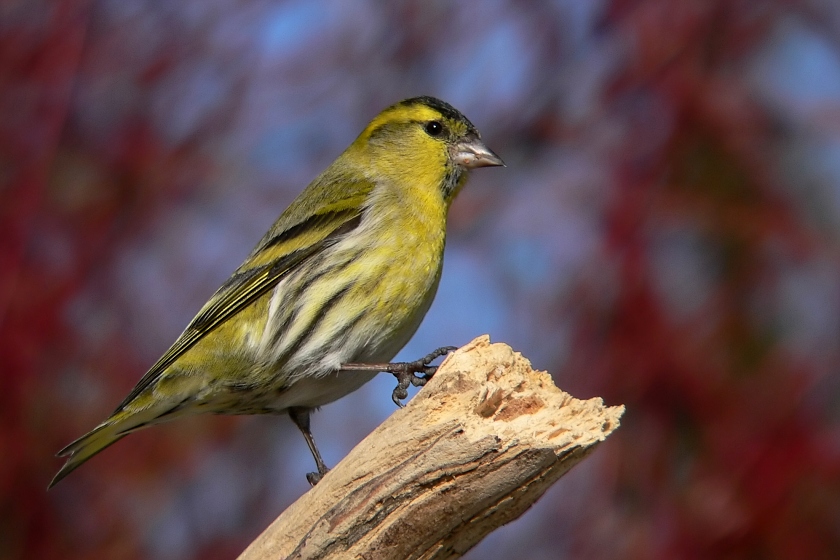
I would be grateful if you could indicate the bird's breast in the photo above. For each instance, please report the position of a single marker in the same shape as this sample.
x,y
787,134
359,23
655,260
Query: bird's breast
x,y
398,268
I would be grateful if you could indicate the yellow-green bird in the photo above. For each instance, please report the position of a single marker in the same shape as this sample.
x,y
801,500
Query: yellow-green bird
x,y
342,278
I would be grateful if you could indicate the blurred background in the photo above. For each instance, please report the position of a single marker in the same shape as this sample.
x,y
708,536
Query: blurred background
x,y
665,236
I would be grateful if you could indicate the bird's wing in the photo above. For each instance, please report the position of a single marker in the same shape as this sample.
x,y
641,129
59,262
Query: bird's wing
x,y
297,235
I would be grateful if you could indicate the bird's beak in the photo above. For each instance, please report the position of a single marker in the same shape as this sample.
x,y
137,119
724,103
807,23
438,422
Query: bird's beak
x,y
473,153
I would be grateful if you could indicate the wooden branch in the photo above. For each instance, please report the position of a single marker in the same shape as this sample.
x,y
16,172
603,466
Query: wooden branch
x,y
472,451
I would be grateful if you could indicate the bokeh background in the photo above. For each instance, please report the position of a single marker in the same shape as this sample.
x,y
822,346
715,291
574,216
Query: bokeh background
x,y
665,236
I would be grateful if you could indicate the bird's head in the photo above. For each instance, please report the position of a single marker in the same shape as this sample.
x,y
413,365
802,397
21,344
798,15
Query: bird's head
x,y
423,139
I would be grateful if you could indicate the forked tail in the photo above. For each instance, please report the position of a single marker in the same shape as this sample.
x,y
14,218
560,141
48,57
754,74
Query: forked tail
x,y
86,447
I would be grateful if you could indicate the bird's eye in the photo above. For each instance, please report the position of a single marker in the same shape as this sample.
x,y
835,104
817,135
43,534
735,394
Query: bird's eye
x,y
433,128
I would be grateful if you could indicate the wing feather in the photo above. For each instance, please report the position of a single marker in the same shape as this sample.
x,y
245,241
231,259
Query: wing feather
x,y
296,236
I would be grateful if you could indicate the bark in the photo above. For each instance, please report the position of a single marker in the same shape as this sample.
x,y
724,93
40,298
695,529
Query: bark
x,y
480,443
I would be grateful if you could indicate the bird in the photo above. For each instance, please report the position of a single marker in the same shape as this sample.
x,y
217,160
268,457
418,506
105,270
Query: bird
x,y
329,295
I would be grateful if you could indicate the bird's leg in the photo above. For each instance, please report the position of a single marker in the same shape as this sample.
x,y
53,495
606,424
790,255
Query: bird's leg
x,y
406,372
300,416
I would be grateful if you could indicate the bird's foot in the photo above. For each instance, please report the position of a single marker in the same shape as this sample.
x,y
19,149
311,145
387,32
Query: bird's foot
x,y
415,373
314,478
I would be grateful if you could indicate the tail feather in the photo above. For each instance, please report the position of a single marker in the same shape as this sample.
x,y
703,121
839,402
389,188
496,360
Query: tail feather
x,y
123,422
86,447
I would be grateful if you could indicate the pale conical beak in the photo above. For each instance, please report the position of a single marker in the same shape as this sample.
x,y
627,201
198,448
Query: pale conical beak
x,y
472,153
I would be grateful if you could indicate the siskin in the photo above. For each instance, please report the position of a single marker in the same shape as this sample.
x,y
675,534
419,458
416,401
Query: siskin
x,y
338,285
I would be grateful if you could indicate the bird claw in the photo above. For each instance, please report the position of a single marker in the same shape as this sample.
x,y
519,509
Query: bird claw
x,y
400,393
314,478
407,373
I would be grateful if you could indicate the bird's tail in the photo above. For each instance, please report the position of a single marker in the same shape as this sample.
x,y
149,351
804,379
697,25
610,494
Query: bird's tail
x,y
87,446
123,422
127,419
